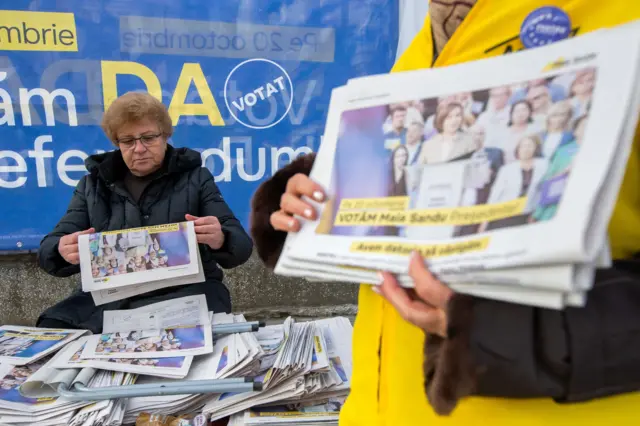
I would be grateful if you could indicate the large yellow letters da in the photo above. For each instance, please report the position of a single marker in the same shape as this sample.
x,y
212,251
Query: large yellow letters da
x,y
191,73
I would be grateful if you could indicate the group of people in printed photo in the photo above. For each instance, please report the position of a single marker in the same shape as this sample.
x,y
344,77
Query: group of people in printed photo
x,y
144,362
124,253
17,376
138,341
14,345
25,345
523,139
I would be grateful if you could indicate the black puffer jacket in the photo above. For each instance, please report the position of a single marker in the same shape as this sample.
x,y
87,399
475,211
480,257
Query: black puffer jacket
x,y
101,201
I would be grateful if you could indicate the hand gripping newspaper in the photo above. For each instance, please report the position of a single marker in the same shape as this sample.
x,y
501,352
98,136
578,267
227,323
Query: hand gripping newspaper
x,y
116,265
510,205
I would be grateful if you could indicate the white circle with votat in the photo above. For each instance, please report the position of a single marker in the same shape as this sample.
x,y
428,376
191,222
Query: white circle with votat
x,y
226,99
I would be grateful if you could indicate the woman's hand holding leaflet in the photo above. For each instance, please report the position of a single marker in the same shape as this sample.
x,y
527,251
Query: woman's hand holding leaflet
x,y
68,246
424,306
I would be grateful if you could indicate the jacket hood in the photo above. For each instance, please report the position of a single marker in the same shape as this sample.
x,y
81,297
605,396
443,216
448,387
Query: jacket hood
x,y
110,166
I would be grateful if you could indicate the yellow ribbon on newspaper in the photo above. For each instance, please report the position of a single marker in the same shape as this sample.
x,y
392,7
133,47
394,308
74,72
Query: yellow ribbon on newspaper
x,y
426,250
372,215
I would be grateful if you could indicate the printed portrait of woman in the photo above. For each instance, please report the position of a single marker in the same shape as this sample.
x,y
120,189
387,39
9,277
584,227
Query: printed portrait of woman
x,y
581,91
557,132
520,123
398,184
450,142
397,181
518,179
554,180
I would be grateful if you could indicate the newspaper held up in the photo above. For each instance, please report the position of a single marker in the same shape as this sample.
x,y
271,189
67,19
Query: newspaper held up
x,y
475,193
155,254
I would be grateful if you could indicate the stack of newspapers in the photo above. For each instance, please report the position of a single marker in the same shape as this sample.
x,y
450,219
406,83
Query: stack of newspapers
x,y
302,368
306,376
502,173
25,354
116,265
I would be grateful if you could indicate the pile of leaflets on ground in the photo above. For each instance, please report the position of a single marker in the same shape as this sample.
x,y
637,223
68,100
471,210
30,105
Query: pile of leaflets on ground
x,y
292,371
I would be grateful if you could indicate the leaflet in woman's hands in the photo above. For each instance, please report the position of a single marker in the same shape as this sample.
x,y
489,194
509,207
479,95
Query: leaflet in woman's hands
x,y
118,264
409,165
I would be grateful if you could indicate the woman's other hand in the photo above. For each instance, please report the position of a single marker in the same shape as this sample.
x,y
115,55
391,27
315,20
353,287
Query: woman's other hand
x,y
423,306
208,230
291,203
68,246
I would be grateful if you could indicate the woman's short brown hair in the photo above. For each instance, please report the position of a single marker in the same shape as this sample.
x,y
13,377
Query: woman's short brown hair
x,y
443,111
535,139
134,107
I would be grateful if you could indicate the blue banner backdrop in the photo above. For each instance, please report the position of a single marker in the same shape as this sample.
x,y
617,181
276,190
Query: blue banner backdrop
x,y
247,84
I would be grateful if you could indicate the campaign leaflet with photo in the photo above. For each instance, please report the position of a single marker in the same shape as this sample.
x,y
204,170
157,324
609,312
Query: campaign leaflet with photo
x,y
23,345
486,191
285,414
12,377
139,255
171,368
101,297
173,328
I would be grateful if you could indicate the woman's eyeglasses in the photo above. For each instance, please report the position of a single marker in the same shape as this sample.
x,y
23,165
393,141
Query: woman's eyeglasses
x,y
146,140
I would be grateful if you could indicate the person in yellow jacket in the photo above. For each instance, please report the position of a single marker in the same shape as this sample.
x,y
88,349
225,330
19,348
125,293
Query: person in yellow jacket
x,y
487,362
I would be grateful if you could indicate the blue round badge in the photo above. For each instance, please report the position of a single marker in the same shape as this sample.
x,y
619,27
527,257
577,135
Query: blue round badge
x,y
544,26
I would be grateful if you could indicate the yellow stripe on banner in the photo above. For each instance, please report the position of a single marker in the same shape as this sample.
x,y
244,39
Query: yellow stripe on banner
x,y
156,229
387,203
427,250
432,217
36,337
38,31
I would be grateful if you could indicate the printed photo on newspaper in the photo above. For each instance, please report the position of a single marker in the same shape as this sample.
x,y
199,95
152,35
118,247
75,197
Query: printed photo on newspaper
x,y
477,165
174,328
171,368
102,297
12,377
24,345
140,255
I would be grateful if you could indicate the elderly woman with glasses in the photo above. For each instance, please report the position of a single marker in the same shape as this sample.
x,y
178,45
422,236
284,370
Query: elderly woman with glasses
x,y
144,182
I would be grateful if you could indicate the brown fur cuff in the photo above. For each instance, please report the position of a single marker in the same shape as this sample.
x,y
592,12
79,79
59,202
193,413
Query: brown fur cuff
x,y
265,202
449,369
